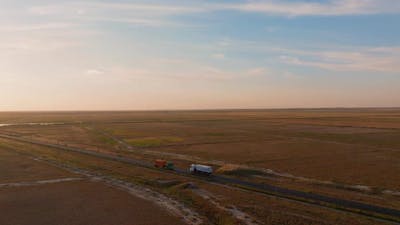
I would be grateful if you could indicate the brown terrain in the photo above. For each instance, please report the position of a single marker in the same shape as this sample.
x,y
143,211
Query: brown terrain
x,y
347,153
36,193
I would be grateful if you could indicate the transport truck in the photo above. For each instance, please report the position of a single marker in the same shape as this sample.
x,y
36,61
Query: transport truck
x,y
163,164
200,169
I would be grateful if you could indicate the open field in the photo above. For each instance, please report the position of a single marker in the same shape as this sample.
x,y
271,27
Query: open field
x,y
360,146
78,202
353,154
228,205
32,192
14,168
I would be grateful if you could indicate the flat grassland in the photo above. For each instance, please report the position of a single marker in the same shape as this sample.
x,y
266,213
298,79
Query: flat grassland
x,y
348,153
352,146
30,203
36,193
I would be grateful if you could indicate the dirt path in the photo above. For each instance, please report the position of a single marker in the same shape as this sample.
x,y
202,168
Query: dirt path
x,y
366,209
39,182
362,188
231,209
174,207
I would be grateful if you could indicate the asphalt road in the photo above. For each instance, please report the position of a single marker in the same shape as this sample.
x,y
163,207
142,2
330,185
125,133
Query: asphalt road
x,y
374,211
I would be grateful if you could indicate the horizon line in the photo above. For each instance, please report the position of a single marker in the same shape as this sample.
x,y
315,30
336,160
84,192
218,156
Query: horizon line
x,y
209,109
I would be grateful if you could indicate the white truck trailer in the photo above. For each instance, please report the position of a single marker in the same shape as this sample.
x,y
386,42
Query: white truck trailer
x,y
200,169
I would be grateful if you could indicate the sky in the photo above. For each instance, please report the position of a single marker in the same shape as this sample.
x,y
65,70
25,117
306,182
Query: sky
x,y
198,54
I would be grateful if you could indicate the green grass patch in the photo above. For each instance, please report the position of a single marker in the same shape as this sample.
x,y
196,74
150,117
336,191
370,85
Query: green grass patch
x,y
107,140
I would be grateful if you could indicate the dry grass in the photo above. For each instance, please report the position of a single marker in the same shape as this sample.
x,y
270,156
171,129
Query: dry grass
x,y
14,168
153,142
79,202
267,209
73,202
358,146
343,146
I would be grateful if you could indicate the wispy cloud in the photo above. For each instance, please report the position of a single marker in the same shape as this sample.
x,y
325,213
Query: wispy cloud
x,y
36,27
198,73
42,37
365,59
18,45
144,14
188,71
218,56
326,8
161,13
258,71
88,7
95,72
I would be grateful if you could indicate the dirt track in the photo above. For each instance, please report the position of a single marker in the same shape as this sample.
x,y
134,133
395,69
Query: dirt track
x,y
42,193
351,206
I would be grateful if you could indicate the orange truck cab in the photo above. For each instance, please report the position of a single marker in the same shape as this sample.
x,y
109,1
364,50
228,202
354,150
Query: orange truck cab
x,y
159,163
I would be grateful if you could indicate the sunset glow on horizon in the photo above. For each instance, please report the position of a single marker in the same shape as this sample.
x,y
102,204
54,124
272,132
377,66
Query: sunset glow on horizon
x,y
170,54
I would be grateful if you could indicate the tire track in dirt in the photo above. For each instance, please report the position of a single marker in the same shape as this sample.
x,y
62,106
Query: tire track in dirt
x,y
369,210
40,182
172,206
362,188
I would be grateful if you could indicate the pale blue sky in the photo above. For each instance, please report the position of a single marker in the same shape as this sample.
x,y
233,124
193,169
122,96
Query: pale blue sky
x,y
198,54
